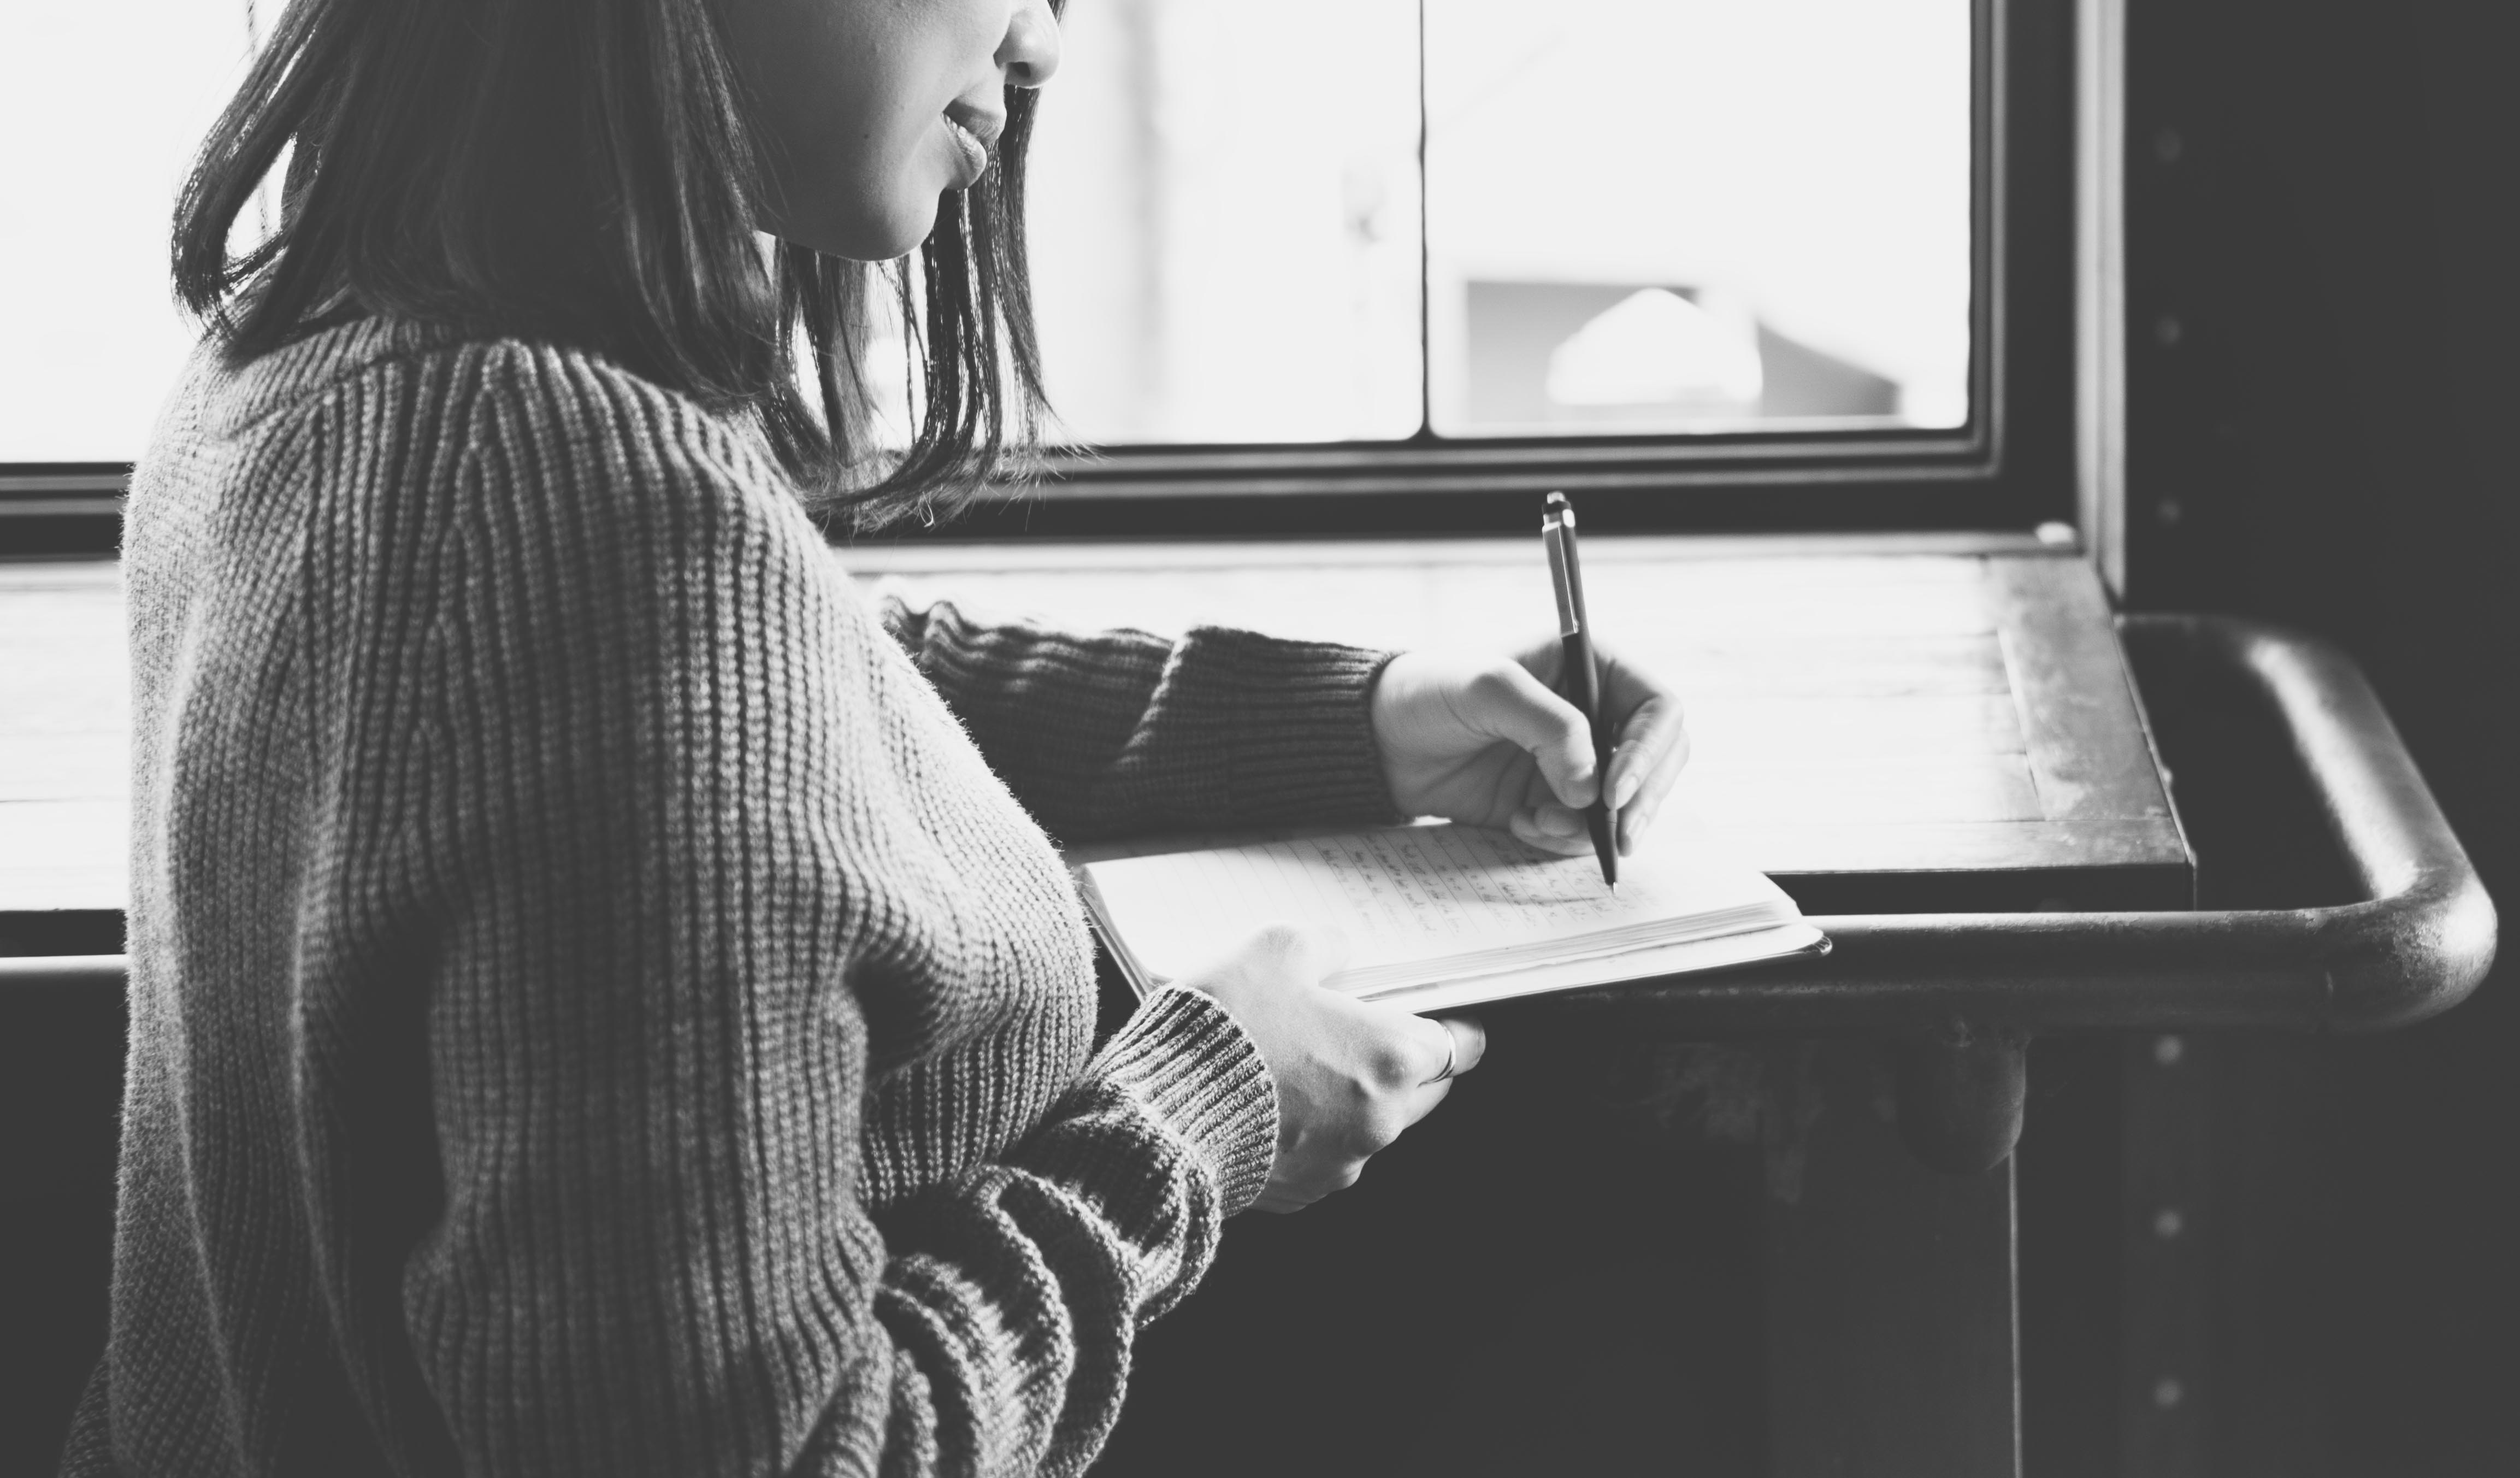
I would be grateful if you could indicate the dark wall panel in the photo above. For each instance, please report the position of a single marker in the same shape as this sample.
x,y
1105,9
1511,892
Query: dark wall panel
x,y
2324,239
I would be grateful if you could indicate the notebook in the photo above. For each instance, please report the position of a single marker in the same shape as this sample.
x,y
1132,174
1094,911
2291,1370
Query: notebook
x,y
1444,916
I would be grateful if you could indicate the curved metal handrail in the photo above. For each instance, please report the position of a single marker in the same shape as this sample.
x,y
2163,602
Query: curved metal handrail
x,y
2417,946
1965,991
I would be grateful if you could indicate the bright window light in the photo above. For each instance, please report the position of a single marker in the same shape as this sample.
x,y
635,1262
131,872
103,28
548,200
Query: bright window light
x,y
103,107
1750,215
1633,217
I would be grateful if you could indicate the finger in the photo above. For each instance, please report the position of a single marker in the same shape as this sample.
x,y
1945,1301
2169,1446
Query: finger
x,y
1412,1049
1647,736
1648,712
1469,1044
1552,828
1508,702
1651,795
1652,791
1469,1041
1445,1061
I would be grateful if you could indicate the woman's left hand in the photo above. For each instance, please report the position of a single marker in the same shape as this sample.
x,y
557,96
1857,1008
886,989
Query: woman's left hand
x,y
1489,741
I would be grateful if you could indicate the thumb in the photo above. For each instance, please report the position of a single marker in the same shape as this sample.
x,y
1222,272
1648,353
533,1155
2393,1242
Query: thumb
x,y
1521,710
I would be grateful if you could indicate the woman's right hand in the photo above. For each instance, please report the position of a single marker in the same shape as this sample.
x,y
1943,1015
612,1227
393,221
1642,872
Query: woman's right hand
x,y
1351,1075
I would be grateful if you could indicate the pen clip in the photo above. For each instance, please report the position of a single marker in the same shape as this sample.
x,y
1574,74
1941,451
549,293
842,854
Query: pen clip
x,y
1553,536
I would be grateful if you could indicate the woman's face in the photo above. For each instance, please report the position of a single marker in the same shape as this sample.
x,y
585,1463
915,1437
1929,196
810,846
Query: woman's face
x,y
867,110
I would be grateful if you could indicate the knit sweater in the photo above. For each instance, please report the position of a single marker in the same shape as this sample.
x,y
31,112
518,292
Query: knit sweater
x,y
600,999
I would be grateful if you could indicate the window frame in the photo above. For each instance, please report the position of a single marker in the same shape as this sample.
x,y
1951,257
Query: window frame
x,y
2013,468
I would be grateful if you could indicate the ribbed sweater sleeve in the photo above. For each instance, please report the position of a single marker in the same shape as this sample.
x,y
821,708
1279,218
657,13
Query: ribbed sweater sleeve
x,y
659,852
1119,732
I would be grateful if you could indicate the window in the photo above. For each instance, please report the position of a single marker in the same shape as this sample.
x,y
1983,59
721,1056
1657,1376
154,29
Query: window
x,y
1633,217
1359,266
102,107
1723,263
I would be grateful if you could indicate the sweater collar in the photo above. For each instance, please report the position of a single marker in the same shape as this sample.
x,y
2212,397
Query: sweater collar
x,y
305,366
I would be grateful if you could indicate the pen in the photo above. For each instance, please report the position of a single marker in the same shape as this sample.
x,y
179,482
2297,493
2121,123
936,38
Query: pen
x,y
1583,685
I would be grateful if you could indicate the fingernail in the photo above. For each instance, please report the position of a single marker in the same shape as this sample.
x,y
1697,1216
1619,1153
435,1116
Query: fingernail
x,y
1629,785
1557,823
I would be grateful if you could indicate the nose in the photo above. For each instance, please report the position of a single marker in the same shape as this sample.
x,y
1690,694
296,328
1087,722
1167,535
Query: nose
x,y
1030,53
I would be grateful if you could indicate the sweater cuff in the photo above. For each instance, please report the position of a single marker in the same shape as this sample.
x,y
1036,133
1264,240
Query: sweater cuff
x,y
1302,743
1192,1066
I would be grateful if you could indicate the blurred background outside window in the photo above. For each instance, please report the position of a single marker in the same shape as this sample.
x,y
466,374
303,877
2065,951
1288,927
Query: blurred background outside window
x,y
101,108
1639,216
1635,216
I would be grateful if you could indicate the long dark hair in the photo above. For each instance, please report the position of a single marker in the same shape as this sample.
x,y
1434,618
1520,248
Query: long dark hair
x,y
581,171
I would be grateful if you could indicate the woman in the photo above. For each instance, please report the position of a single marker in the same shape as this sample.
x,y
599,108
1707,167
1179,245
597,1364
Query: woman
x,y
602,997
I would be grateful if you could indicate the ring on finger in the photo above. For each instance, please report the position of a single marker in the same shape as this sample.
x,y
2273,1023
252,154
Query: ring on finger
x,y
1452,1054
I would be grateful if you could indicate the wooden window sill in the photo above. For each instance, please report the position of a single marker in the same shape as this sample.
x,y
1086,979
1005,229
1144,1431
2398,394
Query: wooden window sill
x,y
1888,724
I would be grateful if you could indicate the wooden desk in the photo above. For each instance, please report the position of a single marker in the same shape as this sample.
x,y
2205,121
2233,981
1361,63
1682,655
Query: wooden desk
x,y
1904,731
1885,732
1917,725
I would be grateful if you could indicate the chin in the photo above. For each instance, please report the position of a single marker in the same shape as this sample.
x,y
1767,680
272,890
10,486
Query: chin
x,y
887,235
873,234
913,234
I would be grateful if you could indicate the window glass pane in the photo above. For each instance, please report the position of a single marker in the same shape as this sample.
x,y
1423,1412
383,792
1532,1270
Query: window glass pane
x,y
1645,216
102,106
1648,216
1662,216
1223,221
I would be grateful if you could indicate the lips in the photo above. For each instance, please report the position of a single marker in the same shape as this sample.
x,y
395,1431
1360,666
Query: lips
x,y
974,133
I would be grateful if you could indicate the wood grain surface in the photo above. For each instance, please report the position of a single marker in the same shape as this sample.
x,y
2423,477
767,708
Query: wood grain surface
x,y
1881,730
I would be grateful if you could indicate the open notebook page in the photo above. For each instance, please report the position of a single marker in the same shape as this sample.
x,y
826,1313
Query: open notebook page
x,y
1426,904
